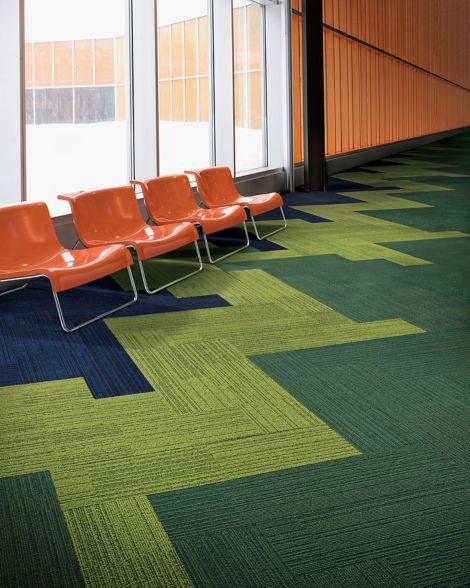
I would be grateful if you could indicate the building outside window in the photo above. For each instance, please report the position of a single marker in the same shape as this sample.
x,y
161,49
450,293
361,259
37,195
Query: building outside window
x,y
249,93
75,97
183,85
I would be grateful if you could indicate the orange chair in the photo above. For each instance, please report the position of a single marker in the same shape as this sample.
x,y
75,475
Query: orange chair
x,y
217,188
112,215
170,199
29,249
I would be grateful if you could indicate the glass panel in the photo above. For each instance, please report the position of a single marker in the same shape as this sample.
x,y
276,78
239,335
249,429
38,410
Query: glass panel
x,y
94,104
43,64
76,115
83,61
104,61
54,105
190,96
184,132
248,85
63,63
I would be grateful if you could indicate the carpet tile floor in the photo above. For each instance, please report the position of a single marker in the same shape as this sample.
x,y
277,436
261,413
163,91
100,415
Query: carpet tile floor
x,y
296,416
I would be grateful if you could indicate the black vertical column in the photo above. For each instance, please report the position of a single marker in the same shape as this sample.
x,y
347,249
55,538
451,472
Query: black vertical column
x,y
313,101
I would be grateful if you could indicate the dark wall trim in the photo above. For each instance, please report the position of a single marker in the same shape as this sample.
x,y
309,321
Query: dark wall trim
x,y
345,161
347,35
313,99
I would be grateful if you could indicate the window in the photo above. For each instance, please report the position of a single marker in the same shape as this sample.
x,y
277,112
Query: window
x,y
249,94
75,97
183,84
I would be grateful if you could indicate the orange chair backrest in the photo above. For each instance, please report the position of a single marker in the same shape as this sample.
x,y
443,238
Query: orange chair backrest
x,y
105,215
27,235
168,197
216,186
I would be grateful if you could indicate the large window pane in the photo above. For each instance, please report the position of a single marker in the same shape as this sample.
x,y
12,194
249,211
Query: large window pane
x,y
76,116
249,100
184,133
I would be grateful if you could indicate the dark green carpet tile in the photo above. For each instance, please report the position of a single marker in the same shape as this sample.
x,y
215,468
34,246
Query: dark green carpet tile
x,y
387,393
35,548
449,211
400,518
432,296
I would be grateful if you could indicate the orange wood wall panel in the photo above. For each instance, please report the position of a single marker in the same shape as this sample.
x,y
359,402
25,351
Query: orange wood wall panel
x,y
297,87
372,98
434,34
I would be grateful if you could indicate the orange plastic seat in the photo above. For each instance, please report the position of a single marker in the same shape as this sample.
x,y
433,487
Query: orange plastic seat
x,y
112,215
217,188
170,199
29,249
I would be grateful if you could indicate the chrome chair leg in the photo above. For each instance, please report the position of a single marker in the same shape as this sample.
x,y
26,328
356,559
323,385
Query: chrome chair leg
x,y
272,232
13,289
144,278
212,260
68,329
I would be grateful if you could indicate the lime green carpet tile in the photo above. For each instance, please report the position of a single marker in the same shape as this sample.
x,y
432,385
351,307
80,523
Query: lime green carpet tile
x,y
296,416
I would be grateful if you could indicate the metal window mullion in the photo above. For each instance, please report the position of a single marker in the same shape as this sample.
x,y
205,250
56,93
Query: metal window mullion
x,y
34,85
246,49
94,61
264,123
115,79
184,72
198,89
171,71
73,83
130,85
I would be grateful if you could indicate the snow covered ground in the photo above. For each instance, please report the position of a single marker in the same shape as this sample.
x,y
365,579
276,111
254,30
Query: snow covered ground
x,y
65,158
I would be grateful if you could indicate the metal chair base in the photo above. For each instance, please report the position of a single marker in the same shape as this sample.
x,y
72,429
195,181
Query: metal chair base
x,y
68,329
144,278
13,289
63,324
209,256
272,232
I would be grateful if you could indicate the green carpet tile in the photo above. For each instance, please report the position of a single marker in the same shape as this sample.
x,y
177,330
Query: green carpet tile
x,y
35,548
312,431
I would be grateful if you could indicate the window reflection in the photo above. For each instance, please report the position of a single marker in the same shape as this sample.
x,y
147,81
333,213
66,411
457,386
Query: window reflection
x,y
248,85
183,85
75,97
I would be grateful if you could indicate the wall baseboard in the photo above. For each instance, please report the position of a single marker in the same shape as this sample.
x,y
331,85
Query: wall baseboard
x,y
345,161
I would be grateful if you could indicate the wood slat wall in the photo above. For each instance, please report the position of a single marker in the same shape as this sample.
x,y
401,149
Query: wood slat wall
x,y
372,98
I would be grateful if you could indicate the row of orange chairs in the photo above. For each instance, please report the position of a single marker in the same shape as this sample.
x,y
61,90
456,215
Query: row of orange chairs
x,y
109,223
